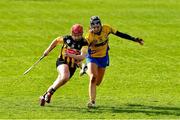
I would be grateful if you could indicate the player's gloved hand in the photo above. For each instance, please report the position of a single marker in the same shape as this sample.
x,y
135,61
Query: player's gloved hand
x,y
139,40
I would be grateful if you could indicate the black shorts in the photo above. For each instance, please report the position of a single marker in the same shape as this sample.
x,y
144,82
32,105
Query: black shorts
x,y
71,69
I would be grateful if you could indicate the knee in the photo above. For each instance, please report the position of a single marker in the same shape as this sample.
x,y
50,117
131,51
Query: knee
x,y
98,83
64,78
93,78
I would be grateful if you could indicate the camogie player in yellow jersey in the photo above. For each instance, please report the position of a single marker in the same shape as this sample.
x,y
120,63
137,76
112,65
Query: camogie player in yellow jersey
x,y
72,51
97,58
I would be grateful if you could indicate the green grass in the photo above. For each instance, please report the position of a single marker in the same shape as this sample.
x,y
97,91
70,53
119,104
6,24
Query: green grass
x,y
141,82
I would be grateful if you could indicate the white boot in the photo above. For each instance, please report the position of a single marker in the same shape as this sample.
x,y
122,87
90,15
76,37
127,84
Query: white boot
x,y
83,69
91,104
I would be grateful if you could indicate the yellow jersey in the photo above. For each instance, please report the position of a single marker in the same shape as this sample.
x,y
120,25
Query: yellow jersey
x,y
98,43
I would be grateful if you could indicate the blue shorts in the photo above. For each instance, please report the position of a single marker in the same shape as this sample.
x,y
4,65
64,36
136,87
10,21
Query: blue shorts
x,y
101,62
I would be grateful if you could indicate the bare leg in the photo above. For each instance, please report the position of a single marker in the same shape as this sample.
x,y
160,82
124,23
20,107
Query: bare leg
x,y
62,78
92,72
101,72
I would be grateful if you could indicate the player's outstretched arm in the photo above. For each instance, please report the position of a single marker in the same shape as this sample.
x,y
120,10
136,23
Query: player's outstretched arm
x,y
53,44
126,36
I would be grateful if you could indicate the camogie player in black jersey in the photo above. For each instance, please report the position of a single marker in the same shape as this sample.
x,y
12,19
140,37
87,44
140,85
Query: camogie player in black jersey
x,y
73,50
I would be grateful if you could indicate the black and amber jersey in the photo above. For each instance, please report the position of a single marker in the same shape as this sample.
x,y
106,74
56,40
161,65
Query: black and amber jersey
x,y
73,47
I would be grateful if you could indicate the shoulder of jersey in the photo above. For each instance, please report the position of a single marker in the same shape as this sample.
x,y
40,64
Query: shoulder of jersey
x,y
84,40
106,26
90,31
67,37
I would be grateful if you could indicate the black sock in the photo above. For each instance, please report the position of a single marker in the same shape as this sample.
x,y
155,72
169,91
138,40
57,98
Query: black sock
x,y
52,90
93,101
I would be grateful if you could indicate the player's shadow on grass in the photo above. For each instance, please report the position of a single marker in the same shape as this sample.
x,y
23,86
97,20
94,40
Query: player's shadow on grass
x,y
129,108
136,108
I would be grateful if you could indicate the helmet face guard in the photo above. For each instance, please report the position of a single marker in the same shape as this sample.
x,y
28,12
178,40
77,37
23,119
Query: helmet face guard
x,y
95,20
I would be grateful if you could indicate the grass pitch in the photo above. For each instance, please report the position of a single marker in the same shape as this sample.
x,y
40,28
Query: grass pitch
x,y
141,82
